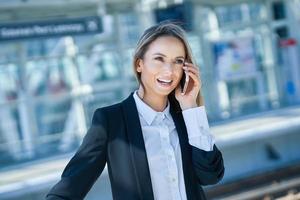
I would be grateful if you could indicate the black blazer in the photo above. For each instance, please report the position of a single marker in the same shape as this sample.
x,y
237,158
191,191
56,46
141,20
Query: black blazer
x,y
115,137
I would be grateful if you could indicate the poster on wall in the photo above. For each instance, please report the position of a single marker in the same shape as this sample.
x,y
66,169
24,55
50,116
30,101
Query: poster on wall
x,y
235,58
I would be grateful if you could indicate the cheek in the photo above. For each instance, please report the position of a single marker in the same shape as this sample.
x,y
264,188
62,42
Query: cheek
x,y
179,75
148,74
150,71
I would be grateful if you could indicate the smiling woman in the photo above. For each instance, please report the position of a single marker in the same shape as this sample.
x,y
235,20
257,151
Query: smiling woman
x,y
161,69
156,143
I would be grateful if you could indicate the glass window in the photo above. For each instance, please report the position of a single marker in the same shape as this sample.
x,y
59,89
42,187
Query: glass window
x,y
194,42
239,13
282,32
128,63
10,126
239,64
129,28
99,66
9,80
278,10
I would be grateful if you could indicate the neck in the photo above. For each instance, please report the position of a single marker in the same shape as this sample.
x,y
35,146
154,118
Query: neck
x,y
157,103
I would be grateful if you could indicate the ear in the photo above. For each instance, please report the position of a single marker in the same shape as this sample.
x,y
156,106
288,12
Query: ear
x,y
139,65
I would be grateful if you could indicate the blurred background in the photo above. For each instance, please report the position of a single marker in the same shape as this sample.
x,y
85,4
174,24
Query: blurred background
x,y
62,59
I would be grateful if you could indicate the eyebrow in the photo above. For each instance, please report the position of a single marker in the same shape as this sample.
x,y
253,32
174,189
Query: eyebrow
x,y
160,54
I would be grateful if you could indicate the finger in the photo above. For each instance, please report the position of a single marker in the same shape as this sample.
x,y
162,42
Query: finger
x,y
194,72
191,65
192,69
195,79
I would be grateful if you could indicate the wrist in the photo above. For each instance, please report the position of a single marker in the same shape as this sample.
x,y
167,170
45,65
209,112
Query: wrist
x,y
188,106
201,100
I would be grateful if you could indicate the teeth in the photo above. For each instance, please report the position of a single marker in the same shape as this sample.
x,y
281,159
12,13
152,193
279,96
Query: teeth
x,y
166,81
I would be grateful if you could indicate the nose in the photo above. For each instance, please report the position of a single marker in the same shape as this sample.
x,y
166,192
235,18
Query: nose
x,y
168,67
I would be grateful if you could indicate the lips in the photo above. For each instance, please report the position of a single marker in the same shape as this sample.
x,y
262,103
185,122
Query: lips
x,y
165,82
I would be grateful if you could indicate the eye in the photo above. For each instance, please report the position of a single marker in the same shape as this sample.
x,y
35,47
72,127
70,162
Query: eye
x,y
179,61
158,58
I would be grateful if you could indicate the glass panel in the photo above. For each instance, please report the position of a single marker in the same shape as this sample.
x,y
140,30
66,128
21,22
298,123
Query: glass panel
x,y
278,9
128,63
10,130
239,62
99,66
129,29
49,86
194,42
238,13
49,112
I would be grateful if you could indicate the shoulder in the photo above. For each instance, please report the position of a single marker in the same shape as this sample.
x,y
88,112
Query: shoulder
x,y
116,110
102,116
109,109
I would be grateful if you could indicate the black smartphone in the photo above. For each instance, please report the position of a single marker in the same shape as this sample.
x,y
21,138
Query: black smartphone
x,y
184,81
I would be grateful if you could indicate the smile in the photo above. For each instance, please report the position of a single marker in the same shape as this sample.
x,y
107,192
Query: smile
x,y
165,82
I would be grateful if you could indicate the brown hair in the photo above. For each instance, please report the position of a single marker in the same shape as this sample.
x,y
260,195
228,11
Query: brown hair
x,y
165,28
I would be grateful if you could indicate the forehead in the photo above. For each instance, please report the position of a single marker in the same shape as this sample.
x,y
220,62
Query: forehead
x,y
167,45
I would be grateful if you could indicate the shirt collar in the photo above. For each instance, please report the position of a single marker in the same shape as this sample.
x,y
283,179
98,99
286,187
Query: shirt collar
x,y
147,112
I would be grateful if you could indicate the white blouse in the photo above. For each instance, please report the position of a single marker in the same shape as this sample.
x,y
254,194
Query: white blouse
x,y
163,149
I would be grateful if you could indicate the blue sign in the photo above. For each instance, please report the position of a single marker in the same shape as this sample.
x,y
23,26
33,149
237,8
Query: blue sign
x,y
50,28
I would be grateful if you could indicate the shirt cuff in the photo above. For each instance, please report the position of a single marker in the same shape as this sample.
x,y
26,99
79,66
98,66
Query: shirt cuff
x,y
198,129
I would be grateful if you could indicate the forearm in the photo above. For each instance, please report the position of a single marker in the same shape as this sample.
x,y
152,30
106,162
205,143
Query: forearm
x,y
208,165
206,157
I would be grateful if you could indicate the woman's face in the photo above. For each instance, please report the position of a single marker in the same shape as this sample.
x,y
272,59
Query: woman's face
x,y
161,66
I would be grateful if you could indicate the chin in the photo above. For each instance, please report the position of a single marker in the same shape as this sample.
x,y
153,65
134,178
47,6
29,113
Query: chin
x,y
164,92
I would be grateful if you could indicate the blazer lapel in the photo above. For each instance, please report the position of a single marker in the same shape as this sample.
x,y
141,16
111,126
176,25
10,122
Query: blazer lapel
x,y
190,185
137,148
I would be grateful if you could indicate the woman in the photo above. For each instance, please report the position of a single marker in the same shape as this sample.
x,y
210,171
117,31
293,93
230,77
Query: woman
x,y
156,143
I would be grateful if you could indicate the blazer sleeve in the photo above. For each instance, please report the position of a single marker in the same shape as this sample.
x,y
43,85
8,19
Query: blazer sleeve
x,y
208,165
86,165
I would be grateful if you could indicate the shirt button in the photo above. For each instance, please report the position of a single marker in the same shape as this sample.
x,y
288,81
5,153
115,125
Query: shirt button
x,y
173,179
